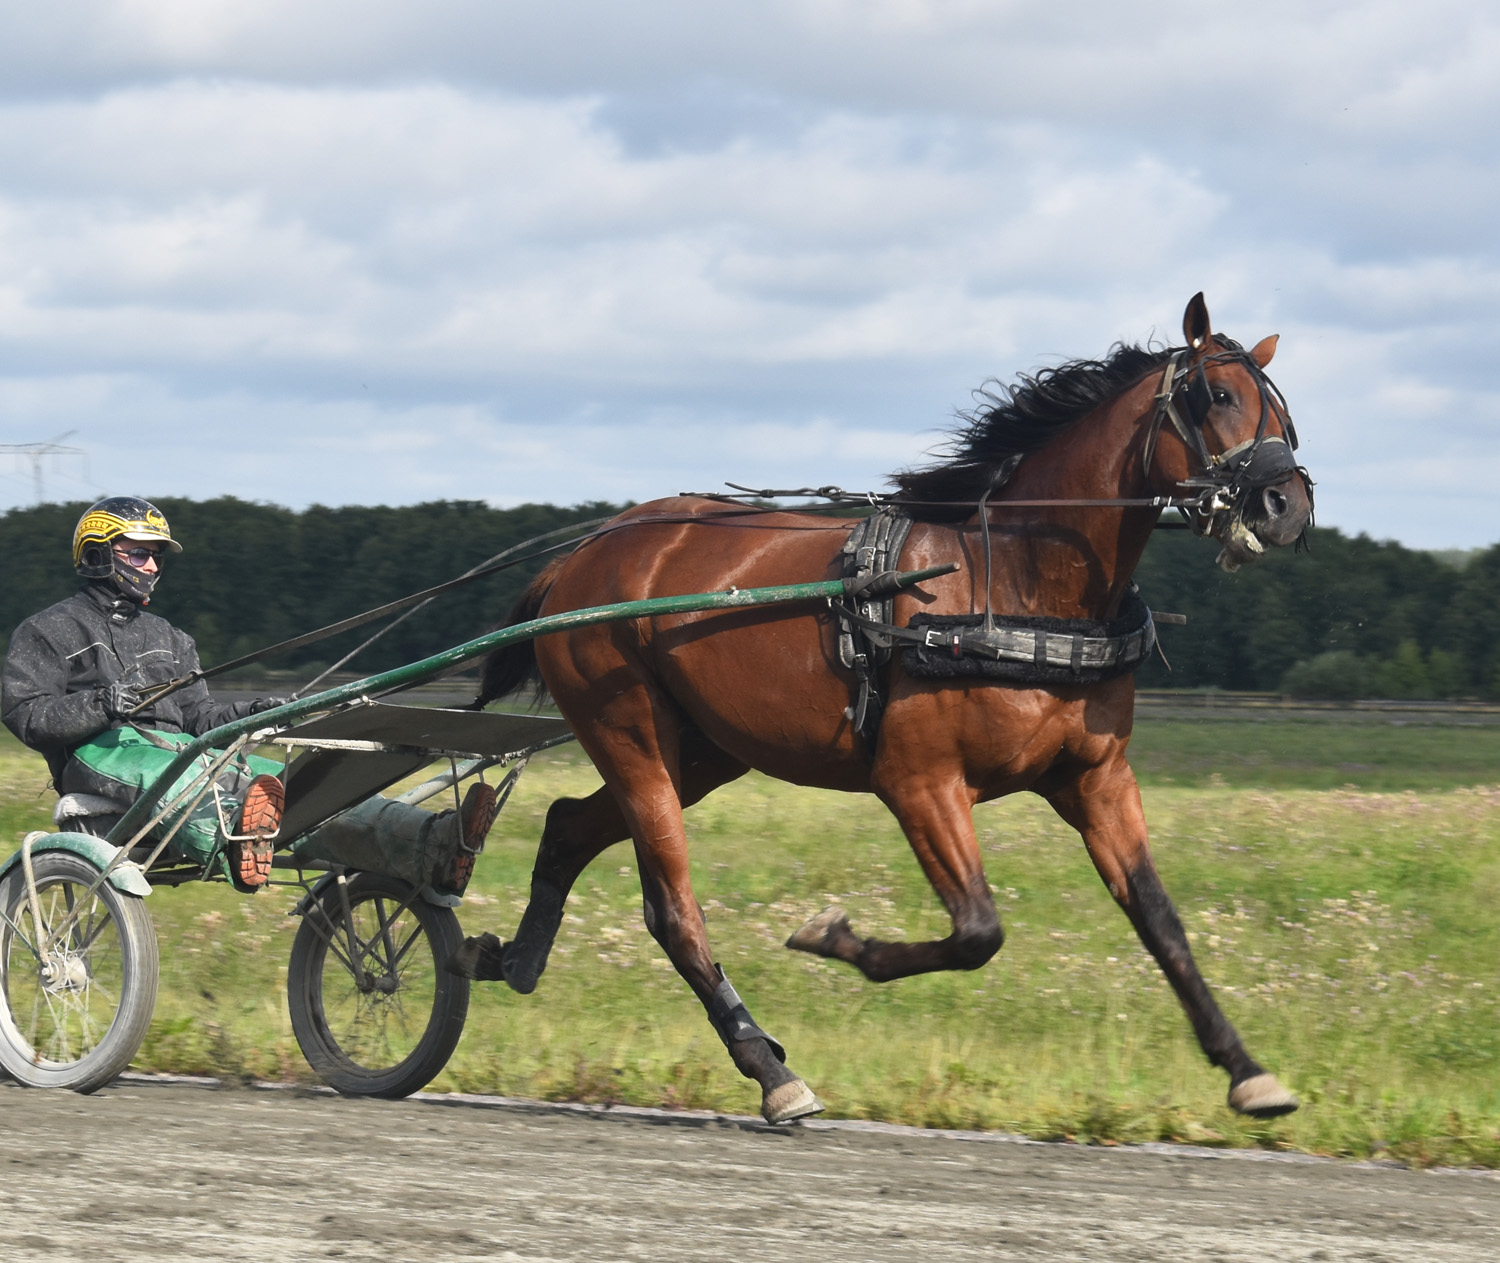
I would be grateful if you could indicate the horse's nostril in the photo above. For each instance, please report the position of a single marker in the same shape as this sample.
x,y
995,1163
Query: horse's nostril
x,y
1275,502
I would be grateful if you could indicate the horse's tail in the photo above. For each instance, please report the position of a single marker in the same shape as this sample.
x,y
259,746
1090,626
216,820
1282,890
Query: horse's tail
x,y
513,666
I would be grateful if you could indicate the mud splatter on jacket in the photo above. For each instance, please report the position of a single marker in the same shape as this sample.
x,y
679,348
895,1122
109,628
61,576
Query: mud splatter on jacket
x,y
61,662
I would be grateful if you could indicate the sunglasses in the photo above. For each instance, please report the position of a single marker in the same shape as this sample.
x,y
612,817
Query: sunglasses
x,y
138,557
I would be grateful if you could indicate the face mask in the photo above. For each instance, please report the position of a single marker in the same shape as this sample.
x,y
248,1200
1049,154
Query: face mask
x,y
135,584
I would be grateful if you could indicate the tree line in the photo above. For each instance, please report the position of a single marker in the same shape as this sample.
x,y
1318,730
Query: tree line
x,y
253,574
1349,617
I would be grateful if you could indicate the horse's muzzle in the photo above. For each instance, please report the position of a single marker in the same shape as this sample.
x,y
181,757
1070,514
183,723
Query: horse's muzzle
x,y
1279,514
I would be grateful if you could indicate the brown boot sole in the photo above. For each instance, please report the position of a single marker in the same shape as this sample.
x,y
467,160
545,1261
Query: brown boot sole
x,y
478,814
260,816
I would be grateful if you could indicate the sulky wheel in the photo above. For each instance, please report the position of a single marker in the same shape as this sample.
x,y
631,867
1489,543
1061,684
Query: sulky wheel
x,y
372,1007
75,1018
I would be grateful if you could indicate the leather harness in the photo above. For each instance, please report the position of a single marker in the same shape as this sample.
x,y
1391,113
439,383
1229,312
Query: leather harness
x,y
1027,650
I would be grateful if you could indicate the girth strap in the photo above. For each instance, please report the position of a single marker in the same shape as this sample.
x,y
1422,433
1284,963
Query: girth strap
x,y
1021,649
873,546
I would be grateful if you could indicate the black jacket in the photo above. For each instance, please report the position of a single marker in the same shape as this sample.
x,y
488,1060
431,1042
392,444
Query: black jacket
x,y
61,662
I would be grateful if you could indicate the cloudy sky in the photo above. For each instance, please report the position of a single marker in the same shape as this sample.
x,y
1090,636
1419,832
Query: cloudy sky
x,y
361,251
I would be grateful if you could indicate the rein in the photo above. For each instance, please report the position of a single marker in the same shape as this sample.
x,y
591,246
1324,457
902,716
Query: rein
x,y
839,498
1224,486
1224,482
500,561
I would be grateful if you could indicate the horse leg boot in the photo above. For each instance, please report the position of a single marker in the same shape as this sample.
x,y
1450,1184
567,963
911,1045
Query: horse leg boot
x,y
784,1096
938,824
1104,805
756,1054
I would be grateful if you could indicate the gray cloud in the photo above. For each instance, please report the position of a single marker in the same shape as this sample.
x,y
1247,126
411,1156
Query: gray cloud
x,y
370,251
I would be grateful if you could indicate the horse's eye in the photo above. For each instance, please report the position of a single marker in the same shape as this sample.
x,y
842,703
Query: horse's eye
x,y
1223,398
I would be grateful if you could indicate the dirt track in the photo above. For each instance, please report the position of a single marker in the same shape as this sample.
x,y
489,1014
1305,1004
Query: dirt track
x,y
145,1171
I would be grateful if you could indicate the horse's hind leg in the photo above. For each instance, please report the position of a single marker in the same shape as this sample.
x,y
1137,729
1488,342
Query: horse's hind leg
x,y
676,922
936,818
1104,805
635,748
577,831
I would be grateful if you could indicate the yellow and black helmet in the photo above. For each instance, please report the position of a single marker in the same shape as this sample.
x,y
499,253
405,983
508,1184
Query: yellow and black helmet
x,y
118,517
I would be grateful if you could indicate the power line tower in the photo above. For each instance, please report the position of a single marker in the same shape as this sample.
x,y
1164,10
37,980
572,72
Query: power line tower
x,y
38,452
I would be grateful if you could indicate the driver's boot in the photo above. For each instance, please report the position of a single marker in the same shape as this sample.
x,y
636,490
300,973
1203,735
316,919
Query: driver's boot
x,y
457,838
249,855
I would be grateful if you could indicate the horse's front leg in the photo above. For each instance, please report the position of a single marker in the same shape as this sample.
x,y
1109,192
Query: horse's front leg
x,y
936,815
1104,805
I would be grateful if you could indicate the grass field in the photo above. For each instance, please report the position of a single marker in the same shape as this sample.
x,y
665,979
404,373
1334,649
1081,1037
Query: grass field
x,y
1341,883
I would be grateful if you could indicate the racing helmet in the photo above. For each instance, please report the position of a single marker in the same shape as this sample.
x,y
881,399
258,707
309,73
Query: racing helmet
x,y
117,517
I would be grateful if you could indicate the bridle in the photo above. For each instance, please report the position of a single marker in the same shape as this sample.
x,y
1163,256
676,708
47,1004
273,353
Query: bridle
x,y
1228,481
1224,483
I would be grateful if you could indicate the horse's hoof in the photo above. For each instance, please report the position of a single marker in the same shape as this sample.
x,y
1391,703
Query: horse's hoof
x,y
820,934
522,970
478,958
790,1101
1261,1096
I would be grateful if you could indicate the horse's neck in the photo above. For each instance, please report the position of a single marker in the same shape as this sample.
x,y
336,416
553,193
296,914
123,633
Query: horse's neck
x,y
1076,562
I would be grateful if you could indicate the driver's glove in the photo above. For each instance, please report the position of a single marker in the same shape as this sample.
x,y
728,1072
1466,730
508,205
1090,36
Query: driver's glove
x,y
118,700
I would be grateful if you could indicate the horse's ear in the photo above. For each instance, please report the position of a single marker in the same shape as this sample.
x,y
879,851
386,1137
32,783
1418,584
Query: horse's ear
x,y
1195,322
1263,350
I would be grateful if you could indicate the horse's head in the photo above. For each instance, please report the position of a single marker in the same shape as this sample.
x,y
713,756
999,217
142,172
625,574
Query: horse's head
x,y
1238,442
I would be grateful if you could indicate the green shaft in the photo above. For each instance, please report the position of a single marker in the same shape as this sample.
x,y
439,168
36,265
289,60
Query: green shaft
x,y
427,668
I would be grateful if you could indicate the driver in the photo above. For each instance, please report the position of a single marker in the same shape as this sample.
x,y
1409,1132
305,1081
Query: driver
x,y
75,673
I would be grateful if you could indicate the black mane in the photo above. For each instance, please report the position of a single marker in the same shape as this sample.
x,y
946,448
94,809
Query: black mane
x,y
1014,420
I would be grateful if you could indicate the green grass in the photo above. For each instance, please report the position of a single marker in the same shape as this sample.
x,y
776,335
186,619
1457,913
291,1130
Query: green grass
x,y
1371,752
1352,935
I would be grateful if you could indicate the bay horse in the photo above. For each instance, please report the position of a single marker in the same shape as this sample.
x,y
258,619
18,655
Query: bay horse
x,y
671,708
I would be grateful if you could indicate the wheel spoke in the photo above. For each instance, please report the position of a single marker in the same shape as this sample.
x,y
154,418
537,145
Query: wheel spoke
x,y
98,988
68,900
374,1028
39,999
17,932
58,1043
85,935
318,919
387,1027
383,928
361,944
64,1015
407,944
90,1030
